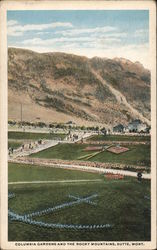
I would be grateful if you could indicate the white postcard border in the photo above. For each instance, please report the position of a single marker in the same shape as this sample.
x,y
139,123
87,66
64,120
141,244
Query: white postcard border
x,y
66,5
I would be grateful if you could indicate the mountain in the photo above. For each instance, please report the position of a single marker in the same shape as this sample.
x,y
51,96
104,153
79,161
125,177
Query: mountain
x,y
58,87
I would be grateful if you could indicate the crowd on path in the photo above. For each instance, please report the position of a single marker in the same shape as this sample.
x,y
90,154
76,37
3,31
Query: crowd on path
x,y
31,148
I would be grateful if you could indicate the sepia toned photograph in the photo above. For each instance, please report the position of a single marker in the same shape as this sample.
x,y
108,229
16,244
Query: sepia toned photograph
x,y
79,125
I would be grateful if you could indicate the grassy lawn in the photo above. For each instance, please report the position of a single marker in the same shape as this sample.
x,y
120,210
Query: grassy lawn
x,y
14,144
18,173
34,136
119,138
119,202
63,151
137,155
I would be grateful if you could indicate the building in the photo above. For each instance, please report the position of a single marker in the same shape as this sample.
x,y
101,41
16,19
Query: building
x,y
133,126
142,128
137,126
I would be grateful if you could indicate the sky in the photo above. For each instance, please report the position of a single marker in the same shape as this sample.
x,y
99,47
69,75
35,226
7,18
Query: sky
x,y
101,33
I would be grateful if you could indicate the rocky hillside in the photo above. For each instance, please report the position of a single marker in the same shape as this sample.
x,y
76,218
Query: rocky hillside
x,y
58,87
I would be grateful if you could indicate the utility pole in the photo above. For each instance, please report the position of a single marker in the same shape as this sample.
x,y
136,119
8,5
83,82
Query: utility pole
x,y
21,114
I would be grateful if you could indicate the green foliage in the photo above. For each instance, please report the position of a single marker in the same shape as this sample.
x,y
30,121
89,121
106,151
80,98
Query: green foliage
x,y
51,125
96,128
14,144
10,122
60,125
137,155
34,136
62,151
41,124
26,172
26,123
82,127
119,138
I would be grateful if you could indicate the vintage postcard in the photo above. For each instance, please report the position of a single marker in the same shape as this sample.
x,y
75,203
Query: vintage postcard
x,y
78,124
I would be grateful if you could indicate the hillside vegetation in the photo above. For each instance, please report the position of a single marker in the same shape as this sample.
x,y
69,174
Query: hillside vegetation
x,y
60,87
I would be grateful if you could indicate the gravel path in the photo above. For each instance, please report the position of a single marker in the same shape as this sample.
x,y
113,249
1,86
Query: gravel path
x,y
43,182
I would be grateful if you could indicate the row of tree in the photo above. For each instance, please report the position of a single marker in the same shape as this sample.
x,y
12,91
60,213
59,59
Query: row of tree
x,y
55,125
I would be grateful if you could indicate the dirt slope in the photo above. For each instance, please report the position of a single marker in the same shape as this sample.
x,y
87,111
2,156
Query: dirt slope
x,y
58,87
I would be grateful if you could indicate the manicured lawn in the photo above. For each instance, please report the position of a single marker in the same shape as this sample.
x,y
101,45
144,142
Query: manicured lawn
x,y
63,151
24,172
119,138
119,202
137,154
34,136
14,144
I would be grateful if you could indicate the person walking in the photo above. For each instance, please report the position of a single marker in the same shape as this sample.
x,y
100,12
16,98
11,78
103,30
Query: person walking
x,y
139,176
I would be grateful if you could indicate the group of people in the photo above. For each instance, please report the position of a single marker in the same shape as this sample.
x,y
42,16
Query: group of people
x,y
26,218
31,145
26,146
67,204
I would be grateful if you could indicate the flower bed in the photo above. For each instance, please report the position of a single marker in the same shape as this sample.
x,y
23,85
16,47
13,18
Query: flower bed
x,y
53,162
93,148
115,142
117,150
114,176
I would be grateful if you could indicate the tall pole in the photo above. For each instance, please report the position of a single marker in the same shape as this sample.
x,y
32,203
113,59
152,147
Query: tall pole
x,y
21,114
